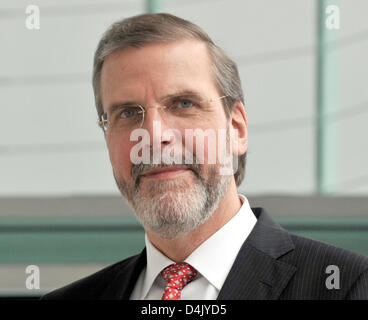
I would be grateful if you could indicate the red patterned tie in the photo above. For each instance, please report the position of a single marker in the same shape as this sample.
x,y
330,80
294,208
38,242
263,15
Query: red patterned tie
x,y
177,276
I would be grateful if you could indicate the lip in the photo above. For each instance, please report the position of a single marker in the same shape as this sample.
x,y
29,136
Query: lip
x,y
163,173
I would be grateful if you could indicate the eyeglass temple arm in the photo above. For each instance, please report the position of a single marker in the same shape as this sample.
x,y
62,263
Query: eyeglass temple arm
x,y
212,100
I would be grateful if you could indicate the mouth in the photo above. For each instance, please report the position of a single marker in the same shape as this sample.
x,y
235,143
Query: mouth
x,y
165,173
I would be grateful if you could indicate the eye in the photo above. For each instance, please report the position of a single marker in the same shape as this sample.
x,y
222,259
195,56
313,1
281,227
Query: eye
x,y
185,104
129,112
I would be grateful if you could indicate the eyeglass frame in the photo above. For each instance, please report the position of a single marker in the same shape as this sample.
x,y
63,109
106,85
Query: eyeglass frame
x,y
101,122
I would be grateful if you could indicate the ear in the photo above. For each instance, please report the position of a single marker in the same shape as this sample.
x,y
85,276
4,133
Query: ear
x,y
239,123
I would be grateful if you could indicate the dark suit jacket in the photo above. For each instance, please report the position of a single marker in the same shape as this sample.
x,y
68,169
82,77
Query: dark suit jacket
x,y
271,264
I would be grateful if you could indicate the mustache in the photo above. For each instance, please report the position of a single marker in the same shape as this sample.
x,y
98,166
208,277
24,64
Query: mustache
x,y
141,168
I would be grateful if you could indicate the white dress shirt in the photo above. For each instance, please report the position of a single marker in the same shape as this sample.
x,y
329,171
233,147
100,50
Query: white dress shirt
x,y
213,260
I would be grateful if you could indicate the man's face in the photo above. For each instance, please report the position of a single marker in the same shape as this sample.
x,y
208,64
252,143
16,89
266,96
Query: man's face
x,y
170,203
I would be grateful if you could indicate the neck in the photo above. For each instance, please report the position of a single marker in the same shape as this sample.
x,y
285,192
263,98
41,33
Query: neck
x,y
178,249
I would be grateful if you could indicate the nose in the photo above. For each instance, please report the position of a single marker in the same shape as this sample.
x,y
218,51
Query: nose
x,y
156,124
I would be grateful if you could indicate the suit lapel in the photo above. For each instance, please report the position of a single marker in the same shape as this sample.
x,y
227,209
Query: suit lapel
x,y
256,273
123,284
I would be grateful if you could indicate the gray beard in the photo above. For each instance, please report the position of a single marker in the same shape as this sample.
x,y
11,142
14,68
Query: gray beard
x,y
173,208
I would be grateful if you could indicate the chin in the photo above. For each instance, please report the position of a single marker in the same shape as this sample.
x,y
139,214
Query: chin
x,y
165,187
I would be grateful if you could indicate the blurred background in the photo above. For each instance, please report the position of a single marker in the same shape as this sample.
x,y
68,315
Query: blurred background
x,y
306,99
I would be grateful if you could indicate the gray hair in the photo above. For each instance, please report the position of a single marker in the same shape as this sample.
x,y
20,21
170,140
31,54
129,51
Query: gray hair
x,y
144,29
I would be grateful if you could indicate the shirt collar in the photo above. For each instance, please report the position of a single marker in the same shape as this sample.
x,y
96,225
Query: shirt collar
x,y
156,262
214,258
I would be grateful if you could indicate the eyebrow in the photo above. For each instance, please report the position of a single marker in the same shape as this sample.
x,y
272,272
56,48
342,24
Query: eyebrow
x,y
184,93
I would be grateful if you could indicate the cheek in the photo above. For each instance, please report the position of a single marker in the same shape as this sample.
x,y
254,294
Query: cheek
x,y
204,145
213,140
119,154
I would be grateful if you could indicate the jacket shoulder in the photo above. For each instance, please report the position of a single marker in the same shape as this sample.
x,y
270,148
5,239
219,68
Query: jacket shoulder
x,y
94,285
310,249
316,261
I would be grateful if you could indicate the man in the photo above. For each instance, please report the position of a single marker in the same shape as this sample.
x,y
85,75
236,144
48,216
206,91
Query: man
x,y
156,78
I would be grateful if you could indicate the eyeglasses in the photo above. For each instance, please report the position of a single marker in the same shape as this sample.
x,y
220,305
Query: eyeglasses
x,y
127,117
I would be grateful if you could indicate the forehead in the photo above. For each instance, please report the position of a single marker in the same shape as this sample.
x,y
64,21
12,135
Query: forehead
x,y
155,70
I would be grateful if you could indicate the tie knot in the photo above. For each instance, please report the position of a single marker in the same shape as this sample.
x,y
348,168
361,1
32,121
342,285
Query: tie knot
x,y
177,276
